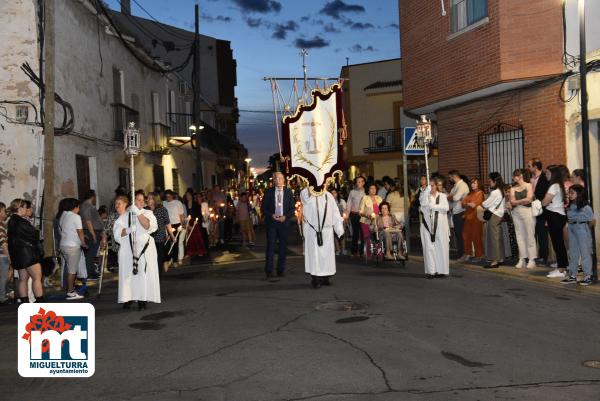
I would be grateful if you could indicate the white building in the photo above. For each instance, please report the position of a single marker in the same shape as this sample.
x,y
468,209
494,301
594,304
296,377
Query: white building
x,y
107,87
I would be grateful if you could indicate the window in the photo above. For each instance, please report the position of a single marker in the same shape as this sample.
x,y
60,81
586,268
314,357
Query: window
x,y
467,12
124,178
175,173
159,176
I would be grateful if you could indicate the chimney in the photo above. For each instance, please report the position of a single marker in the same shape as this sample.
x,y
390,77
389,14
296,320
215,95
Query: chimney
x,y
126,7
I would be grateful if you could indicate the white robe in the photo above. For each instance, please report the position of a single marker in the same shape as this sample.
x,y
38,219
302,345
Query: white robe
x,y
320,260
145,285
436,254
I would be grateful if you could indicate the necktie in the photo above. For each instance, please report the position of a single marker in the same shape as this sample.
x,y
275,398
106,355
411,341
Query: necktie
x,y
279,206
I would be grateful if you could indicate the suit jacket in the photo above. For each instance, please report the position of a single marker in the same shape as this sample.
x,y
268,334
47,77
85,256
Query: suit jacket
x,y
268,205
541,187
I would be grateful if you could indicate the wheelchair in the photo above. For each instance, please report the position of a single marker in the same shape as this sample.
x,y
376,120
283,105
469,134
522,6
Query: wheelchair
x,y
375,247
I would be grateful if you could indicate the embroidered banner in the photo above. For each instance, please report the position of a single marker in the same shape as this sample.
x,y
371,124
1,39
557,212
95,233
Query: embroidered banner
x,y
313,139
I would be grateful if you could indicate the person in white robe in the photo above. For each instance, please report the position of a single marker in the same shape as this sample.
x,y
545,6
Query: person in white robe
x,y
138,276
320,214
435,232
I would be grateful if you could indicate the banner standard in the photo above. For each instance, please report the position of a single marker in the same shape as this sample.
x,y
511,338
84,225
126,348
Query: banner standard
x,y
313,139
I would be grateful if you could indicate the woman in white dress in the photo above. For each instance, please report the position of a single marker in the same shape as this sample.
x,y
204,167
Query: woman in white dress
x,y
138,275
435,232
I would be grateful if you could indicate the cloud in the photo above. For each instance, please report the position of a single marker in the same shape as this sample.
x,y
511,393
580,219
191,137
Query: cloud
x,y
315,43
220,18
258,6
394,26
330,28
305,18
360,49
361,26
253,22
336,8
281,30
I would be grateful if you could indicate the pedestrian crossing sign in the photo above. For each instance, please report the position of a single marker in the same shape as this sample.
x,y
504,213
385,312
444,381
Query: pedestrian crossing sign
x,y
411,146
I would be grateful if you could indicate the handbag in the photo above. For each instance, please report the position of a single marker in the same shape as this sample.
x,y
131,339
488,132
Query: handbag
x,y
487,214
536,208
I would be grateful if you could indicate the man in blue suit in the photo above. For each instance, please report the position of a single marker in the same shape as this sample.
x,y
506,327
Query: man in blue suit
x,y
278,209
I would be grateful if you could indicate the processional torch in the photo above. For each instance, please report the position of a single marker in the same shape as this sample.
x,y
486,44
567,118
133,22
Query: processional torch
x,y
424,139
131,137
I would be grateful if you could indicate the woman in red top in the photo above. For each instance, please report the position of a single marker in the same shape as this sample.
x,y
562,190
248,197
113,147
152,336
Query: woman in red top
x,y
473,229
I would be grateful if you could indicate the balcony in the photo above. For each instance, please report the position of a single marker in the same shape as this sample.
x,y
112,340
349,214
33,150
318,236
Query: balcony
x,y
387,140
178,125
123,115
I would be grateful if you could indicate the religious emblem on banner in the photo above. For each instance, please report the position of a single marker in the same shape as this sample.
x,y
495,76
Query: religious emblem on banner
x,y
313,138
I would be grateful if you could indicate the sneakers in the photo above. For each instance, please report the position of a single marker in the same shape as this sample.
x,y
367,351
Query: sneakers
x,y
463,258
554,265
72,296
531,264
586,281
556,274
521,264
569,280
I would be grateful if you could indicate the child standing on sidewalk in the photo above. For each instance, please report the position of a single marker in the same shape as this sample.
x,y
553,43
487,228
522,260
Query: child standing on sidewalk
x,y
581,223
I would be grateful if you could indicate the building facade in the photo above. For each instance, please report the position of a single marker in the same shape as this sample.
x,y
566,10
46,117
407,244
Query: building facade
x,y
493,75
106,85
374,111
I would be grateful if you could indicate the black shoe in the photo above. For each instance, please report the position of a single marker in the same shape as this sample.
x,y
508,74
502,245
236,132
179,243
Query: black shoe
x,y
280,274
141,305
429,276
438,275
270,275
127,305
316,284
326,281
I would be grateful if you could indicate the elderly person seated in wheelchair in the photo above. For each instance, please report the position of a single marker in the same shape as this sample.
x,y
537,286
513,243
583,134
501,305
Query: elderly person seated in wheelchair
x,y
392,232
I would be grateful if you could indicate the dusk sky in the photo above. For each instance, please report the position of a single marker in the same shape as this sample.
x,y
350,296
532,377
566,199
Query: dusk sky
x,y
266,36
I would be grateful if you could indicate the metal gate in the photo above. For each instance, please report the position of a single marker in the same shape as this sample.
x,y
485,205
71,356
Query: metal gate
x,y
501,149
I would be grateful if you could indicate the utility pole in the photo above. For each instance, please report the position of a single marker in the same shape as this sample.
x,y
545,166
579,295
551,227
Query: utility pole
x,y
48,99
585,121
196,103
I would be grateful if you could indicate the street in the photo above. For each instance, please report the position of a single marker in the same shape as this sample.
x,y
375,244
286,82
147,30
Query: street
x,y
226,333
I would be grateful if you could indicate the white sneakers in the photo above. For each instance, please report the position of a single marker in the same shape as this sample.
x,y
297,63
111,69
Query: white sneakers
x,y
72,296
530,265
556,274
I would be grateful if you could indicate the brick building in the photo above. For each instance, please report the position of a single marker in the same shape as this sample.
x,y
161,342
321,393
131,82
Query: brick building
x,y
489,72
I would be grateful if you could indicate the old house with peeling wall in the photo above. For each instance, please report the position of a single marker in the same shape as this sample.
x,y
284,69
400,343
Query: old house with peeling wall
x,y
106,87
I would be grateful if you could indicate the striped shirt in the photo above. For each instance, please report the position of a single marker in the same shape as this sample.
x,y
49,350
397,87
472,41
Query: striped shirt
x,y
3,239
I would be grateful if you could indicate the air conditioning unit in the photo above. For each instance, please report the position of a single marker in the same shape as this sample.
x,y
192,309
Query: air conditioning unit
x,y
384,141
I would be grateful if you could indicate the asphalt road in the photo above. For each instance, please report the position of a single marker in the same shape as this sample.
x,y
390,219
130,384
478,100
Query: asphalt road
x,y
231,335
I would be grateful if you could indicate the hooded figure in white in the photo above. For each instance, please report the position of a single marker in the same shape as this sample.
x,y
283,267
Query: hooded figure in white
x,y
144,285
320,214
435,233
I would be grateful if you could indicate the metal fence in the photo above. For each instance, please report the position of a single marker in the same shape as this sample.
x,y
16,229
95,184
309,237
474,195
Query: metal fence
x,y
501,149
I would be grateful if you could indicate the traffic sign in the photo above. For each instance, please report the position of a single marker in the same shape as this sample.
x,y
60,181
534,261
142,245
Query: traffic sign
x,y
411,147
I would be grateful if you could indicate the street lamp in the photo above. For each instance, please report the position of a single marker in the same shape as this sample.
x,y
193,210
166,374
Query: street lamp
x,y
247,160
424,138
